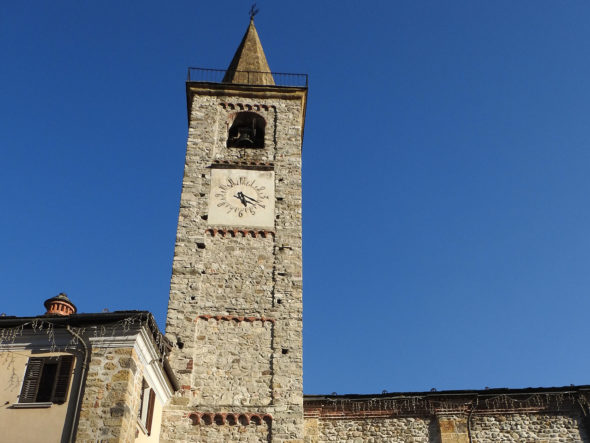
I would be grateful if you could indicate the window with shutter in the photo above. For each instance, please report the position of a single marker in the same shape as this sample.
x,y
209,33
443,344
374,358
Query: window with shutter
x,y
31,382
150,415
146,407
62,379
47,379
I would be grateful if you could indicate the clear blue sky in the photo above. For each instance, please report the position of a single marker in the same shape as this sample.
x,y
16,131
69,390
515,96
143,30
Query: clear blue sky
x,y
446,175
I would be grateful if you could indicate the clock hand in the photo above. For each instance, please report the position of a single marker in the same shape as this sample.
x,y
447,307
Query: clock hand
x,y
250,198
253,201
245,199
240,196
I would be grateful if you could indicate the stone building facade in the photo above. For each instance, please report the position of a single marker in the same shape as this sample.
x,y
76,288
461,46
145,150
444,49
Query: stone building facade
x,y
492,415
68,377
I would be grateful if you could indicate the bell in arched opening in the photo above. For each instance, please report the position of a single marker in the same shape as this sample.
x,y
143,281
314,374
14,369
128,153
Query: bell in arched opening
x,y
246,131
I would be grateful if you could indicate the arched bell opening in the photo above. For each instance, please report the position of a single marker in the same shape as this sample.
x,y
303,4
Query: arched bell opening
x,y
246,131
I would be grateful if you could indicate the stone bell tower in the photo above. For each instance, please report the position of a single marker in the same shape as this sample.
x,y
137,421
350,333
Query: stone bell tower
x,y
235,308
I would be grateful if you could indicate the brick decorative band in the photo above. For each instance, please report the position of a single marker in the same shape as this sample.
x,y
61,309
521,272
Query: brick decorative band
x,y
246,107
223,164
236,232
235,318
220,419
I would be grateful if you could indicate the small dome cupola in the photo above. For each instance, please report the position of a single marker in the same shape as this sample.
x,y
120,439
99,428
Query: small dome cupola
x,y
60,305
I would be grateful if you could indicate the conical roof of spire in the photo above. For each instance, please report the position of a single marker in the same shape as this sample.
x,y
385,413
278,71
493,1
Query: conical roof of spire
x,y
249,57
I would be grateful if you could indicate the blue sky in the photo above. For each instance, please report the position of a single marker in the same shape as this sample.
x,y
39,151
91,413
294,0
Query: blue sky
x,y
446,158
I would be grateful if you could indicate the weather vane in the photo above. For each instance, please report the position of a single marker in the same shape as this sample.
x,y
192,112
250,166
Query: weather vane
x,y
253,11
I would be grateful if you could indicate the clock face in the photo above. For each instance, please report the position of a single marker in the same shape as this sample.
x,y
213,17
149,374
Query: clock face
x,y
242,197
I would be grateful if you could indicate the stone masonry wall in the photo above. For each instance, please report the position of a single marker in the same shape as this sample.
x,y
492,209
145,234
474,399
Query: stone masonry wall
x,y
235,309
211,429
485,428
243,374
111,397
529,428
239,272
373,430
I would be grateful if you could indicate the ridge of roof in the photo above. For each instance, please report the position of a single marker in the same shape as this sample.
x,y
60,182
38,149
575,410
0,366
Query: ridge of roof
x,y
461,392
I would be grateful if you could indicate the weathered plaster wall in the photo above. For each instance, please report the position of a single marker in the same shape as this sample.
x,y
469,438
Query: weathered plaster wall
x,y
22,425
154,437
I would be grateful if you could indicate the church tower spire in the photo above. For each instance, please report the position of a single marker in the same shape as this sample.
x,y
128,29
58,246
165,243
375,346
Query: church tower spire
x,y
235,307
249,65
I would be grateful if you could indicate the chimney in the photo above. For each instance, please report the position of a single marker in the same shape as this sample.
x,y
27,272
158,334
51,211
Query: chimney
x,y
59,305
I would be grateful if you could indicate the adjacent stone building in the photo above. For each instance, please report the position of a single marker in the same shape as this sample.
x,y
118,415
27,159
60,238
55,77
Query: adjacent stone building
x,y
68,377
234,323
491,415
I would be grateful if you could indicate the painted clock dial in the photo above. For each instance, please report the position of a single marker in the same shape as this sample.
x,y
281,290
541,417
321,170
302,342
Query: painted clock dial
x,y
242,197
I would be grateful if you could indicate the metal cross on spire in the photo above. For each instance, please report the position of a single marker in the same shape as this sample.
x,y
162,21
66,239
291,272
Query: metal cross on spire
x,y
253,11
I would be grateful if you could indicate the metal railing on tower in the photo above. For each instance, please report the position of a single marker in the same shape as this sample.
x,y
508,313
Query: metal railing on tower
x,y
205,75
